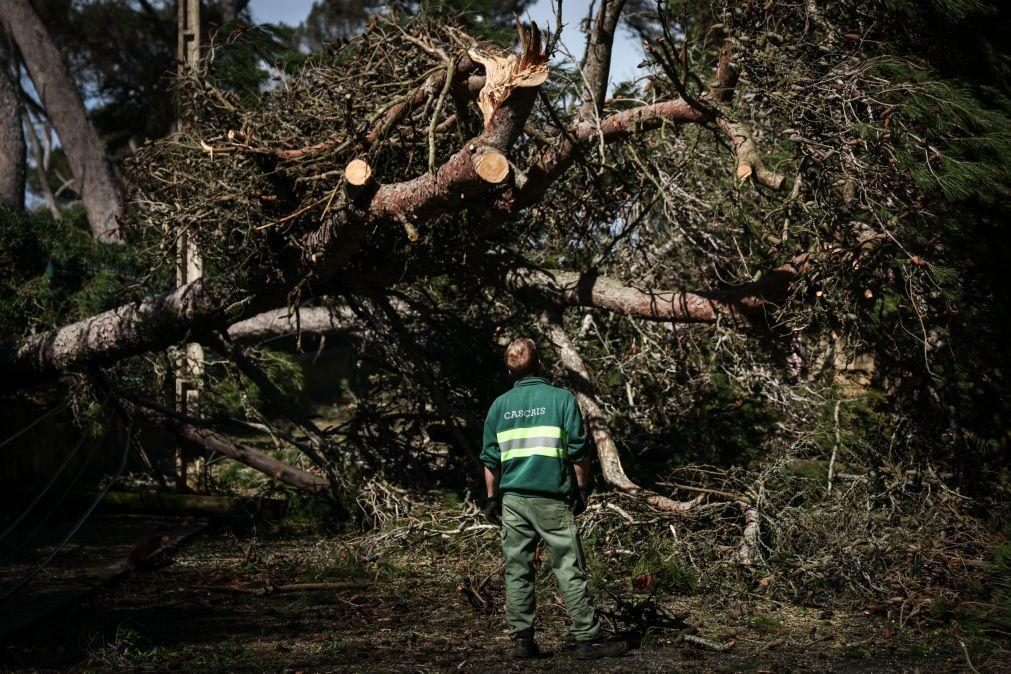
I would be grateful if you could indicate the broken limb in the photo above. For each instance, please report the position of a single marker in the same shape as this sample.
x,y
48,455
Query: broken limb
x,y
749,301
317,440
192,431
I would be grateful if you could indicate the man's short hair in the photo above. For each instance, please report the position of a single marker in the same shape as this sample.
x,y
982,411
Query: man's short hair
x,y
521,358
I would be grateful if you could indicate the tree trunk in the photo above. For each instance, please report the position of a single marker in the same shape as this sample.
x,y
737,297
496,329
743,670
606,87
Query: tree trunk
x,y
597,59
99,187
145,325
12,138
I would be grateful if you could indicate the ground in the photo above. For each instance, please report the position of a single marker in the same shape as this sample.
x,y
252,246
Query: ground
x,y
416,600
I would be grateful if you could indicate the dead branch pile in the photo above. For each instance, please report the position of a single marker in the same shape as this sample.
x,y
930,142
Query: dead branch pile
x,y
903,546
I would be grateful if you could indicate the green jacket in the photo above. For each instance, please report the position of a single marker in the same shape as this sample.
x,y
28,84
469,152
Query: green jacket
x,y
533,433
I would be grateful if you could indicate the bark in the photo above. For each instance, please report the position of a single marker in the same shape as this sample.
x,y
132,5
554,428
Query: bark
x,y
315,321
99,187
749,301
145,325
12,138
266,464
749,552
727,75
597,59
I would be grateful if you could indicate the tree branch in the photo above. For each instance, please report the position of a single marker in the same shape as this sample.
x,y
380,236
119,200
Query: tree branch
x,y
555,161
316,321
607,450
597,59
588,289
264,463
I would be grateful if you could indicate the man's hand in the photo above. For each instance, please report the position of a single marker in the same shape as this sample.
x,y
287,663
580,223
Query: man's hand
x,y
582,498
492,510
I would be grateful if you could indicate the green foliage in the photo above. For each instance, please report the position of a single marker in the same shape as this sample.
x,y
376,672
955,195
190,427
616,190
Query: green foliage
x,y
950,138
56,273
994,615
725,425
237,57
230,393
664,573
862,427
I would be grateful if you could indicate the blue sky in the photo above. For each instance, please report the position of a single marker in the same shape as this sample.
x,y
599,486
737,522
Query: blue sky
x,y
627,51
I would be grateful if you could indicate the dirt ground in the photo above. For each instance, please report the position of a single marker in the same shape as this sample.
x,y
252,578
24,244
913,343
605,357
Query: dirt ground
x,y
433,603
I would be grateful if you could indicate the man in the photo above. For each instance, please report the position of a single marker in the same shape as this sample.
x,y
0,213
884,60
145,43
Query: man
x,y
533,443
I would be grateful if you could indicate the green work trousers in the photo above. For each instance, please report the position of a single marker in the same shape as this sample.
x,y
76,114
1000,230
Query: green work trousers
x,y
525,521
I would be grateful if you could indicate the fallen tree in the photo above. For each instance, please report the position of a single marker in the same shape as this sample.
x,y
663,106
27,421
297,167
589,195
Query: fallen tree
x,y
345,214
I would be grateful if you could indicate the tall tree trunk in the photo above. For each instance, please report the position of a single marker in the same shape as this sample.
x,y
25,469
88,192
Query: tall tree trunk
x,y
12,138
99,187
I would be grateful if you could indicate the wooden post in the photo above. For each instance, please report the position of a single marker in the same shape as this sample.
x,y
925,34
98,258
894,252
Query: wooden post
x,y
189,267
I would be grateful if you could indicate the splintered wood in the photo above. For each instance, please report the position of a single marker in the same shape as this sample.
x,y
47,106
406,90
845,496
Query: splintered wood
x,y
505,71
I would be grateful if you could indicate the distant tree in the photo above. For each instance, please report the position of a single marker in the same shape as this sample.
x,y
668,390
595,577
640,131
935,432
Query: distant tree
x,y
12,139
99,186
330,22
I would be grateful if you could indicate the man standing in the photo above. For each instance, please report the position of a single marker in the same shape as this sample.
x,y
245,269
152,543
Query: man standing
x,y
533,443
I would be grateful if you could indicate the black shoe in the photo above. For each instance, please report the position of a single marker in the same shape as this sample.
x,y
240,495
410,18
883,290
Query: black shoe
x,y
526,647
600,648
